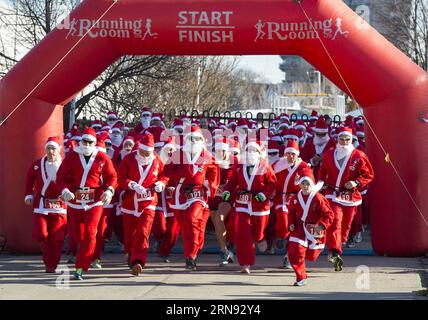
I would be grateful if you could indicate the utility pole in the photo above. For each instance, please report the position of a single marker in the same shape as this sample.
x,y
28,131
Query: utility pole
x,y
73,101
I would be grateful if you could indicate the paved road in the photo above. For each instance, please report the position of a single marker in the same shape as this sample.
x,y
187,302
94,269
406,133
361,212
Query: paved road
x,y
22,277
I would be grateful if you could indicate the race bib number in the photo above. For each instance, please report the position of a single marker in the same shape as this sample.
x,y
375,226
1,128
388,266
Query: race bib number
x,y
344,196
148,195
244,198
315,233
195,194
53,204
83,196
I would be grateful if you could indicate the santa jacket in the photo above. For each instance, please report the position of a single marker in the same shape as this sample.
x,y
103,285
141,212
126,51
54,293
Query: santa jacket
x,y
286,178
247,187
356,167
43,189
195,179
309,209
309,151
225,174
84,178
131,171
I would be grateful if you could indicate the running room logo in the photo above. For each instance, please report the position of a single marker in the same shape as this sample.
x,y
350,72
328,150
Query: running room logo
x,y
140,29
299,30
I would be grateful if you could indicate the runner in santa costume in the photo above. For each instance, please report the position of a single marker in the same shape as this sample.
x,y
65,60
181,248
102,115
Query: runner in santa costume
x,y
309,216
315,147
344,171
197,178
253,181
79,178
219,209
141,175
169,228
286,169
50,212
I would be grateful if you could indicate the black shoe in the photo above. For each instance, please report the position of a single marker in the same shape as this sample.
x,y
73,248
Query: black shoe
x,y
166,259
190,264
338,263
226,258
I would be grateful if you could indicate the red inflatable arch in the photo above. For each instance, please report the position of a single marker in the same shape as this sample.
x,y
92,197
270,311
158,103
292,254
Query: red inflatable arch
x,y
392,90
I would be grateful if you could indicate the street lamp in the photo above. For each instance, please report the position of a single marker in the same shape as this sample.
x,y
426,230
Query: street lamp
x,y
319,84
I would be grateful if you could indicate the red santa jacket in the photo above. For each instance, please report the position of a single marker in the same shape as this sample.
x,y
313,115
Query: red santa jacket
x,y
225,174
45,192
84,178
247,187
309,209
356,167
285,186
195,179
131,171
309,151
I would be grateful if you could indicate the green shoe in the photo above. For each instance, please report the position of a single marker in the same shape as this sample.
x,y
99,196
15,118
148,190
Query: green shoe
x,y
96,264
338,263
78,274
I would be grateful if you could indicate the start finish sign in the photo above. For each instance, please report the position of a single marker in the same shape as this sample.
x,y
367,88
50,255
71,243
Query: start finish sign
x,y
204,26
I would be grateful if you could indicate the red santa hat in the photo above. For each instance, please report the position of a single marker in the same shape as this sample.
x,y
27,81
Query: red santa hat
x,y
222,143
300,125
170,143
157,133
321,126
70,145
359,121
360,132
284,116
157,116
344,131
314,115
293,134
129,139
97,124
89,134
305,174
111,115
54,142
126,127
146,111
195,131
117,127
283,124
101,139
258,145
178,124
292,147
277,137
231,122
242,124
106,127
147,142
274,146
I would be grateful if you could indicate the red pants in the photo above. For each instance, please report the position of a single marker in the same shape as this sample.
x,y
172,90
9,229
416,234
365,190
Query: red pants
x,y
202,227
140,243
49,231
102,231
250,229
190,222
84,224
129,229
73,242
159,226
297,255
170,236
281,224
338,232
231,224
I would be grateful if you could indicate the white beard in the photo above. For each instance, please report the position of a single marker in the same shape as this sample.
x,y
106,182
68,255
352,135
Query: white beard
x,y
321,141
52,168
143,161
116,141
193,148
343,151
251,159
145,122
84,151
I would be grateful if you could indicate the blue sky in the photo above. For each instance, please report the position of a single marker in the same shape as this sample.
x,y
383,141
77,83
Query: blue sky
x,y
266,66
